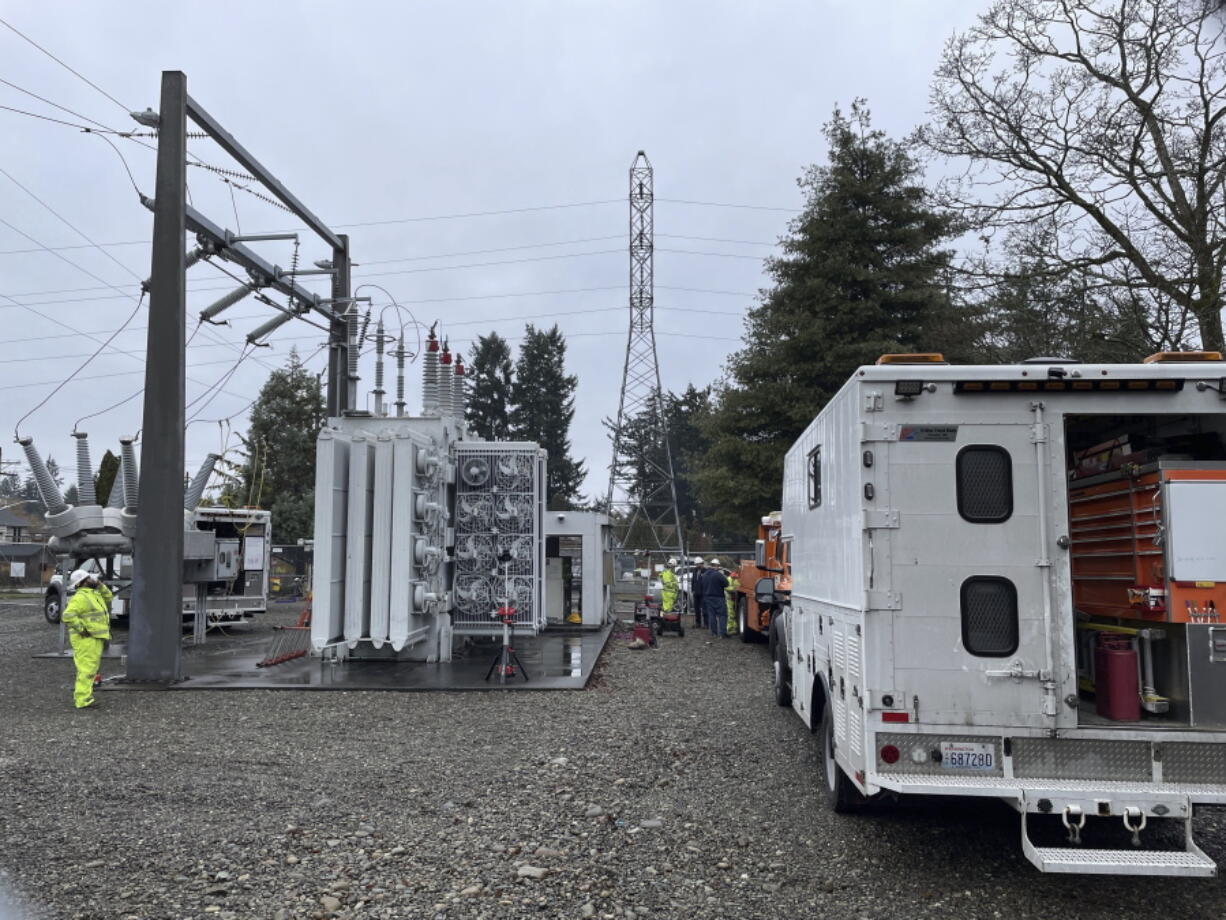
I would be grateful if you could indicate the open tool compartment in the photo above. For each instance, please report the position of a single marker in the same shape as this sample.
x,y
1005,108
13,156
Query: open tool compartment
x,y
1147,505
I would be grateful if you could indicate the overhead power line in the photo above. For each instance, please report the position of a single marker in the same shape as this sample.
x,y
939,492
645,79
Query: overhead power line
x,y
422,270
60,322
58,121
462,216
75,73
81,233
724,204
81,367
55,105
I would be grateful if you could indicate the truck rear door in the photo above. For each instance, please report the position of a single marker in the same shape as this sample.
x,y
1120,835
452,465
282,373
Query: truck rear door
x,y
964,572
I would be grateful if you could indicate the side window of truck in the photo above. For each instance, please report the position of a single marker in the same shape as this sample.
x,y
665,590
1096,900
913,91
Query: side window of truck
x,y
985,484
815,477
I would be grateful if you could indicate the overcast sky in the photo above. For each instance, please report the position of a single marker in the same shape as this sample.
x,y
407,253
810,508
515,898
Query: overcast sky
x,y
401,114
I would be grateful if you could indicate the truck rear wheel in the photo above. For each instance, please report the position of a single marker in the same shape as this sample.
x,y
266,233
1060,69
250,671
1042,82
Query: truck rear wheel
x,y
53,607
841,794
783,676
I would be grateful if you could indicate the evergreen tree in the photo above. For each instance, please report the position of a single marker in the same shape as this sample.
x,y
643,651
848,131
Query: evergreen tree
x,y
72,495
490,388
108,469
279,471
686,415
861,274
688,444
543,395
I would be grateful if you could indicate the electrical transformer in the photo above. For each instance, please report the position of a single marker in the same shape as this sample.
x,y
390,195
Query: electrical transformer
x,y
421,534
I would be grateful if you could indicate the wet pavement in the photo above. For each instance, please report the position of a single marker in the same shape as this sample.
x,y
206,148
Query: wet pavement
x,y
554,660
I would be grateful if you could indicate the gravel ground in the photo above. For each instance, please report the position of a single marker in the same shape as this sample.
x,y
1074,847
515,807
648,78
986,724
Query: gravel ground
x,y
672,787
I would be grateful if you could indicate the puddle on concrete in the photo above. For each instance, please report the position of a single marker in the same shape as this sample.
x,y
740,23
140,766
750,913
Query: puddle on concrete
x,y
552,661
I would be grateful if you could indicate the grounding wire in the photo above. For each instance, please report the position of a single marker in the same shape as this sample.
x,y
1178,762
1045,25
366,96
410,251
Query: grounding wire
x,y
63,383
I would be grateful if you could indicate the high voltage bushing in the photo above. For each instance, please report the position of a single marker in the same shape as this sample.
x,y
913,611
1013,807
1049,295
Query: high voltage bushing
x,y
195,492
50,492
131,475
429,383
351,325
445,377
85,471
459,395
378,391
115,498
400,377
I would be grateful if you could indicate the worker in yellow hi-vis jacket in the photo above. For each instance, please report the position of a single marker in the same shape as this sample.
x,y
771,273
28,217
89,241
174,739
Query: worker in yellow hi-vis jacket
x,y
88,621
730,599
668,587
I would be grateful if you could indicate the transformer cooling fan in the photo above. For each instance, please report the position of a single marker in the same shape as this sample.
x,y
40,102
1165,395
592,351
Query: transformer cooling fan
x,y
514,473
475,472
474,511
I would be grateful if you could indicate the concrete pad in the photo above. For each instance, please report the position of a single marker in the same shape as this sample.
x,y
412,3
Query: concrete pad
x,y
554,660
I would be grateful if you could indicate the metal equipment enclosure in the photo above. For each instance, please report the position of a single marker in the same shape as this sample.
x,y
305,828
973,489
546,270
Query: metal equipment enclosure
x,y
584,537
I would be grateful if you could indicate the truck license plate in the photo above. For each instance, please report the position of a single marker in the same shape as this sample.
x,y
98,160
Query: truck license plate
x,y
965,755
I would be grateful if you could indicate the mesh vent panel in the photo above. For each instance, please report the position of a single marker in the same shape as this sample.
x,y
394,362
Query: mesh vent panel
x,y
985,484
989,616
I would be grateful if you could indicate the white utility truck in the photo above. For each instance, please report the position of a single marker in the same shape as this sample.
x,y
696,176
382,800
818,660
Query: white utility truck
x,y
1006,582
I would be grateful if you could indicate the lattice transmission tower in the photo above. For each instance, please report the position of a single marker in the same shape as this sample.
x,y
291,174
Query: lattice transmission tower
x,y
642,495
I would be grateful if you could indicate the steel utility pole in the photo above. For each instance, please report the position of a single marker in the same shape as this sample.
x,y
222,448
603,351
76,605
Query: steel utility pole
x,y
642,495
157,591
338,401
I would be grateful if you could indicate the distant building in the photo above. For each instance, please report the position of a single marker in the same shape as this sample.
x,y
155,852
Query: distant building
x,y
25,565
17,528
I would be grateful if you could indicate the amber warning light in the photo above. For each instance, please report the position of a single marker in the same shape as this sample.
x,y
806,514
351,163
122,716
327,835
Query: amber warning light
x,y
930,357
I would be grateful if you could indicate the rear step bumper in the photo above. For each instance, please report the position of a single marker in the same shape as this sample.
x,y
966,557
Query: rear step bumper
x,y
1076,800
1190,862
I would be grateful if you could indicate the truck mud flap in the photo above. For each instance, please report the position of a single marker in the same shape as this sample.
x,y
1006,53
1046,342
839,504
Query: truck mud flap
x,y
1076,859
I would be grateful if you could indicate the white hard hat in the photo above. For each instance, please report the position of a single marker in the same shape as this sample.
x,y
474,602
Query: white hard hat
x,y
77,577
698,560
672,560
714,562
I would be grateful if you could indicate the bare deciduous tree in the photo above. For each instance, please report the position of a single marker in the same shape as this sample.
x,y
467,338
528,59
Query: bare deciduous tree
x,y
1103,119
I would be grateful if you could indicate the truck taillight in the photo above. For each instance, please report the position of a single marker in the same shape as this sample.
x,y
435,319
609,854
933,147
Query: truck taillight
x,y
896,717
888,753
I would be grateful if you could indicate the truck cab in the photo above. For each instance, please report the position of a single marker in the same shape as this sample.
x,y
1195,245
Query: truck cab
x,y
765,581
